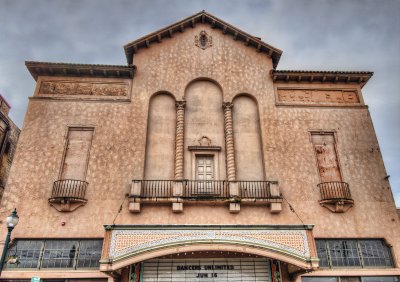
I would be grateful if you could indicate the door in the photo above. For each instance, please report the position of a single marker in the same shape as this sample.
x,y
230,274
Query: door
x,y
205,174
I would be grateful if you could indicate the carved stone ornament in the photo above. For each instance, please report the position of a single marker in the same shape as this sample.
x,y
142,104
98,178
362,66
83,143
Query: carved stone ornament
x,y
203,40
314,96
204,141
67,205
337,206
83,88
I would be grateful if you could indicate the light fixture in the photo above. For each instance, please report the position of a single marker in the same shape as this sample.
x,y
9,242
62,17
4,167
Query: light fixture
x,y
12,221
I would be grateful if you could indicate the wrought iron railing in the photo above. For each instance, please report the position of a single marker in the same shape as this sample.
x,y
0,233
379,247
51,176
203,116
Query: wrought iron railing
x,y
334,190
255,189
206,189
156,188
70,189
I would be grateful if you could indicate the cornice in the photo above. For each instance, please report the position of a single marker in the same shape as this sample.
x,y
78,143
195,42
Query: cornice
x,y
205,18
79,70
354,77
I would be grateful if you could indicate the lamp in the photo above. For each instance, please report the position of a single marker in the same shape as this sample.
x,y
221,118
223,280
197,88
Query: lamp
x,y
12,221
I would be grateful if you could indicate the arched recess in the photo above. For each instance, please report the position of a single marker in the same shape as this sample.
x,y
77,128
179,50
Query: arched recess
x,y
247,139
160,145
204,117
306,263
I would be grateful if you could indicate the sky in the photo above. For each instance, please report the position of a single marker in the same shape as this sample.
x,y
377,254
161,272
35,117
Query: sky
x,y
313,34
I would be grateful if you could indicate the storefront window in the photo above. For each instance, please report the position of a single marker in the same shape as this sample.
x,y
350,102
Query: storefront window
x,y
353,253
54,254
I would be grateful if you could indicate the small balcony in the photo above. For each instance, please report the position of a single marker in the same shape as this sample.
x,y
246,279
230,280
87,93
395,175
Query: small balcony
x,y
68,194
202,191
335,196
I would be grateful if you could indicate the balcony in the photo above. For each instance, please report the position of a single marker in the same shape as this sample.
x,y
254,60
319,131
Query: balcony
x,y
68,194
335,196
233,193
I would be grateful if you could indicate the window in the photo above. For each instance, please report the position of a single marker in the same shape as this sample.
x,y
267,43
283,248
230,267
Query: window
x,y
45,254
353,253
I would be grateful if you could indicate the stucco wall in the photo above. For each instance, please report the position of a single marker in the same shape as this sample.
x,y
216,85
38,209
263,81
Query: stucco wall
x,y
118,150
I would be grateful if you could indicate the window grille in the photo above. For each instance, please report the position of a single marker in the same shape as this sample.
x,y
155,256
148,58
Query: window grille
x,y
353,253
89,253
343,253
59,254
56,253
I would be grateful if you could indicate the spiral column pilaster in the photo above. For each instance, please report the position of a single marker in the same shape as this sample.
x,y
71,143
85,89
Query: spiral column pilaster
x,y
229,145
179,139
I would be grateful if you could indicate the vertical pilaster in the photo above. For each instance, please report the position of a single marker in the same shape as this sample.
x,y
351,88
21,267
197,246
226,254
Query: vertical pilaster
x,y
179,139
229,146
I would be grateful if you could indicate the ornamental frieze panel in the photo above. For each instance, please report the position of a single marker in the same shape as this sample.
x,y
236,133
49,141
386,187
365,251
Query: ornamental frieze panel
x,y
318,96
124,242
75,88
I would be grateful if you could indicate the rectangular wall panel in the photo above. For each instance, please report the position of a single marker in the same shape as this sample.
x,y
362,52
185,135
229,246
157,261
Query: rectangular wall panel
x,y
328,164
77,154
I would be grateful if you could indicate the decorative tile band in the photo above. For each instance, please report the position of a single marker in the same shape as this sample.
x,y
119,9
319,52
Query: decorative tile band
x,y
124,242
318,96
83,88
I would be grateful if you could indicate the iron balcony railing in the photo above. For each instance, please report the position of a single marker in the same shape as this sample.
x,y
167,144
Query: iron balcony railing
x,y
69,189
156,188
334,190
204,189
255,189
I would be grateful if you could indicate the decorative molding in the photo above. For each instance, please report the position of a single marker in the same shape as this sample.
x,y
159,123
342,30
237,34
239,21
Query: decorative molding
x,y
302,76
318,97
204,148
133,241
79,70
92,88
203,40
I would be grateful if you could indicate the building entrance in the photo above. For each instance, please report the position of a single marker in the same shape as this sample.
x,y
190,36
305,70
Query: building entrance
x,y
206,270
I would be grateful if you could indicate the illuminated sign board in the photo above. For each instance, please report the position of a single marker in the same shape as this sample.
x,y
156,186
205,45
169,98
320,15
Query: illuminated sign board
x,y
218,270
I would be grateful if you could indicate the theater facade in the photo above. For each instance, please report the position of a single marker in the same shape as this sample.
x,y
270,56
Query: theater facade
x,y
199,161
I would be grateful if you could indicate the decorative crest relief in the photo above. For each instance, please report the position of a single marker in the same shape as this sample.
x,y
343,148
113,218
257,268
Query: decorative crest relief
x,y
204,141
203,40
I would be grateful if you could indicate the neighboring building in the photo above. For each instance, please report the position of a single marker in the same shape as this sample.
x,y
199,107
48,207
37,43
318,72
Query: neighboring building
x,y
9,133
199,161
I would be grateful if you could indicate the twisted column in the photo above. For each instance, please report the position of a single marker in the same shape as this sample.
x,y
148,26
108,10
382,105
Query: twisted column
x,y
230,150
179,139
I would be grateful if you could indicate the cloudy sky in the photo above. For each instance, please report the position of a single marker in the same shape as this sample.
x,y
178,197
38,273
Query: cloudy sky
x,y
313,34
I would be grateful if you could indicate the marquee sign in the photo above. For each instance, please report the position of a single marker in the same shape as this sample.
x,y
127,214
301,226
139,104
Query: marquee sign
x,y
217,270
124,245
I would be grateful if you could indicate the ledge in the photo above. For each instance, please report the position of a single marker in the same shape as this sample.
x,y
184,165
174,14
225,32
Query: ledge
x,y
79,70
287,76
51,274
